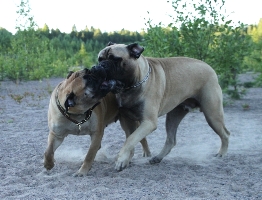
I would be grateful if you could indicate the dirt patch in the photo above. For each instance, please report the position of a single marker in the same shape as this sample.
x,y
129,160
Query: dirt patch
x,y
190,171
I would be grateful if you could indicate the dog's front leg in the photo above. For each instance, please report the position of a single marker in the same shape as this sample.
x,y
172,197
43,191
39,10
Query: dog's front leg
x,y
53,143
129,126
145,128
90,156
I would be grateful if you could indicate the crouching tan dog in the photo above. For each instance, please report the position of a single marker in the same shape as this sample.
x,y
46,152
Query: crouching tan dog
x,y
74,109
159,86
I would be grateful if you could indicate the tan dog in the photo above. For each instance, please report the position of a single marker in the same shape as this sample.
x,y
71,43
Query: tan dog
x,y
159,86
70,112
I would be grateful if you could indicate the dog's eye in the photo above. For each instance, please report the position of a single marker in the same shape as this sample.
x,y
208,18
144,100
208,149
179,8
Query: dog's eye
x,y
111,57
100,59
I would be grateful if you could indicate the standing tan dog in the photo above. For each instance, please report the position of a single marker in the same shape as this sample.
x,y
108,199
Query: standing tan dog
x,y
159,86
70,112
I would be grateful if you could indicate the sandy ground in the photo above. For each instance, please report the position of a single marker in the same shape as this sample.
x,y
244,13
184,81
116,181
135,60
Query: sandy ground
x,y
190,171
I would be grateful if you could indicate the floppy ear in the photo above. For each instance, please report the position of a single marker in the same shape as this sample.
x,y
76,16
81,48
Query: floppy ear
x,y
69,74
110,43
69,101
135,50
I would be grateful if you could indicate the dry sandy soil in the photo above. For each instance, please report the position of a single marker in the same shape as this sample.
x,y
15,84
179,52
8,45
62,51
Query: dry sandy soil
x,y
190,171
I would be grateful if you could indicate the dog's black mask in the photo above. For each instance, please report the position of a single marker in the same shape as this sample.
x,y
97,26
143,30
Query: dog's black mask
x,y
93,79
106,84
70,102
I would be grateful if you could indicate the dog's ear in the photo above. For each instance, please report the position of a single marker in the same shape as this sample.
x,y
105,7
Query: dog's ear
x,y
135,50
110,43
69,74
70,102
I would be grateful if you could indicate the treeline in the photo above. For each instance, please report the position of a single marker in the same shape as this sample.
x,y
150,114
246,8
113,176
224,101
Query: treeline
x,y
201,31
93,39
34,54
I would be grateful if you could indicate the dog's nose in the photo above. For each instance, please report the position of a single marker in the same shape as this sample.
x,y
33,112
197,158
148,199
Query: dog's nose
x,y
71,103
99,72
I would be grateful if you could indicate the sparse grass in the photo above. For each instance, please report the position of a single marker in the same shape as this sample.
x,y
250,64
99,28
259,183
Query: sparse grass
x,y
249,84
10,121
49,88
17,97
227,102
245,106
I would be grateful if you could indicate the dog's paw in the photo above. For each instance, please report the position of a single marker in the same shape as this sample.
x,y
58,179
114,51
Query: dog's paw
x,y
155,160
49,165
146,154
80,173
121,165
218,155
77,174
83,171
49,161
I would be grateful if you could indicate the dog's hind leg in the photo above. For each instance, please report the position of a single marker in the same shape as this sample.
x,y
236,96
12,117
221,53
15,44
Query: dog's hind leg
x,y
146,151
212,107
173,119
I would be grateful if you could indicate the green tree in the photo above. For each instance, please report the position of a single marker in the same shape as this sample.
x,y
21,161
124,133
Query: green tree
x,y
162,42
22,44
45,31
36,53
82,58
30,53
200,30
5,40
231,47
254,61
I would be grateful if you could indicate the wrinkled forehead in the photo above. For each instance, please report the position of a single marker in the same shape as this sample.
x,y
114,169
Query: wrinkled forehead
x,y
76,79
118,50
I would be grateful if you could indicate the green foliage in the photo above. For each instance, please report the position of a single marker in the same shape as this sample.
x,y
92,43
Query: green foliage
x,y
200,30
254,60
197,30
230,48
27,57
37,53
5,40
162,42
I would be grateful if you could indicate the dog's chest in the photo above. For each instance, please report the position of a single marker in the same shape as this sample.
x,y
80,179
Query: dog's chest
x,y
65,127
130,108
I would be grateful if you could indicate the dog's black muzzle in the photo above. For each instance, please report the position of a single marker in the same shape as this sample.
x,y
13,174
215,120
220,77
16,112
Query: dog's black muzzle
x,y
109,68
103,72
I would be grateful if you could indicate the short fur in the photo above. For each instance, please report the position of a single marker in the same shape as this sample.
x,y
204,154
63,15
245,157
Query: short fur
x,y
174,85
76,94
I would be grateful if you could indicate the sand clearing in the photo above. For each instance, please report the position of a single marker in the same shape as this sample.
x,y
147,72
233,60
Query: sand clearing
x,y
190,171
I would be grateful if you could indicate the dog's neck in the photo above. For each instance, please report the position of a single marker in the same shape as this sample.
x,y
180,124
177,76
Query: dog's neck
x,y
140,82
64,112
